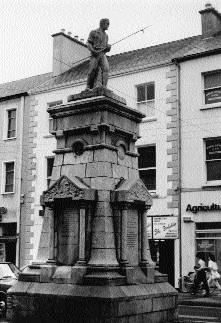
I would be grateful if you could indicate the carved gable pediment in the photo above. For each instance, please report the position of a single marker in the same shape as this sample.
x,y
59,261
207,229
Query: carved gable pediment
x,y
65,188
132,191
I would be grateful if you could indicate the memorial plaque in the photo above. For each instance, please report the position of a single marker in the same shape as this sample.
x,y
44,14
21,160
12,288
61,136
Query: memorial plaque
x,y
132,237
68,236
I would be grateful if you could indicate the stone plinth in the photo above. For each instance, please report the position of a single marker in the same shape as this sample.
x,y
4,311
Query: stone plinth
x,y
94,262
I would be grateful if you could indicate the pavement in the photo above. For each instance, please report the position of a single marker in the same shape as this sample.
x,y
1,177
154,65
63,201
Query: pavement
x,y
214,300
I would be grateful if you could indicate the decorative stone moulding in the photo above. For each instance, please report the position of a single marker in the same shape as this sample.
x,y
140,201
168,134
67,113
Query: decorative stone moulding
x,y
132,191
64,188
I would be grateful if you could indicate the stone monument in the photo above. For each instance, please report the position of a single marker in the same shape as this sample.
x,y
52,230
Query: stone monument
x,y
94,262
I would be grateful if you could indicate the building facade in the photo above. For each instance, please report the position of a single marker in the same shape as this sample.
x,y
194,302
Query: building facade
x,y
177,86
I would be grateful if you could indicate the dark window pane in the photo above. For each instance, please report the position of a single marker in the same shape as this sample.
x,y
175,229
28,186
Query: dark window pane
x,y
141,93
150,91
213,149
147,157
9,167
50,162
214,170
212,80
149,178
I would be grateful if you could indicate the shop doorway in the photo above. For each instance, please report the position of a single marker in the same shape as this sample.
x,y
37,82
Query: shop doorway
x,y
162,253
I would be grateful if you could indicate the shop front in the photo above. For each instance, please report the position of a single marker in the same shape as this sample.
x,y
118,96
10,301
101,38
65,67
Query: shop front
x,y
162,232
201,228
8,238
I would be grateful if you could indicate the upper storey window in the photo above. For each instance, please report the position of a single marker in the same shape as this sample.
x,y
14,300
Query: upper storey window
x,y
146,99
213,160
212,88
11,124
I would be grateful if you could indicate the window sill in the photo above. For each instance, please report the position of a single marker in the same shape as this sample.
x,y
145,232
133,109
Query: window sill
x,y
212,184
150,119
153,194
48,136
12,138
7,193
211,106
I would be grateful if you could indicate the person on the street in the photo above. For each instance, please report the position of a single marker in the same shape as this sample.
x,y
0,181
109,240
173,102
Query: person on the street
x,y
214,275
200,274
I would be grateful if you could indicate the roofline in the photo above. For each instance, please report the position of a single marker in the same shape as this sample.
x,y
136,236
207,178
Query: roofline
x,y
83,82
197,55
13,96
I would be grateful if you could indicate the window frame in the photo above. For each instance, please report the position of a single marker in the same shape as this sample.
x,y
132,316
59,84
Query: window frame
x,y
4,177
6,126
210,105
146,101
48,178
208,182
49,105
149,168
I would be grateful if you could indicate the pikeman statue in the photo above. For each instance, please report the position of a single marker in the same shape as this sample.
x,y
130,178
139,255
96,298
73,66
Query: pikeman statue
x,y
98,45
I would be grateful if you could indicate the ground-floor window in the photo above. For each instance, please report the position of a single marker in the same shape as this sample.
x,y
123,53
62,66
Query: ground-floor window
x,y
208,239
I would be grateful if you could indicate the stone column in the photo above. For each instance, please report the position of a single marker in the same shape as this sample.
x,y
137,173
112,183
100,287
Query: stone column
x,y
123,249
50,215
145,249
81,261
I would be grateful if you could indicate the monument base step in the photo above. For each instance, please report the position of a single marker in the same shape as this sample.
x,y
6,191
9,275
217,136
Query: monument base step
x,y
30,302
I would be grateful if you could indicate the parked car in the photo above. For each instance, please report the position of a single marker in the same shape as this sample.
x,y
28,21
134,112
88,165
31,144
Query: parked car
x,y
8,277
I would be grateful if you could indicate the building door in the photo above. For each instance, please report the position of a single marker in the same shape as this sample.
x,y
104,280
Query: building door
x,y
162,253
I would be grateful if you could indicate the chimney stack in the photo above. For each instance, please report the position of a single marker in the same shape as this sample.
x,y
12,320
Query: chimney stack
x,y
211,21
66,51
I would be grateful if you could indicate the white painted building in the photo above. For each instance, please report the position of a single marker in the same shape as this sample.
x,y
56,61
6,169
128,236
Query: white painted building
x,y
166,82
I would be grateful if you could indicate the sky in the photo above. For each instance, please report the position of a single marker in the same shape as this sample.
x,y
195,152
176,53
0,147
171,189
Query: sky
x,y
27,25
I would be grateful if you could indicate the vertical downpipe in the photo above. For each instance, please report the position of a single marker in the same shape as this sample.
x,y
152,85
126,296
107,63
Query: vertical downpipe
x,y
20,126
179,163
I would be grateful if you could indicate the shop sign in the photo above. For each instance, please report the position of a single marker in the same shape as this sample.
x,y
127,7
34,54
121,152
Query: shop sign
x,y
213,96
165,227
3,210
203,208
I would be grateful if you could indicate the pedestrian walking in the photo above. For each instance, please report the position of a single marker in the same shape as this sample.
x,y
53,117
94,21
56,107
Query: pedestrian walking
x,y
214,275
200,274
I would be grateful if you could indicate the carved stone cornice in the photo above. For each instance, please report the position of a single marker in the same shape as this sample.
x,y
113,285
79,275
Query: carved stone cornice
x,y
132,191
65,188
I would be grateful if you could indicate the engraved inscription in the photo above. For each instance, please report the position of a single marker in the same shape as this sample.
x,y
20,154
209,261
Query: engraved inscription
x,y
68,235
132,237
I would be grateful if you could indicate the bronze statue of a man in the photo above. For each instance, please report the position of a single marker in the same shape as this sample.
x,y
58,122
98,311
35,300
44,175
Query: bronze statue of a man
x,y
98,45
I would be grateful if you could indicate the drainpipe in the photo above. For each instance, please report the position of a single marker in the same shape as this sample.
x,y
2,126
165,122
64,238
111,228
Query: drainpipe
x,y
20,125
179,189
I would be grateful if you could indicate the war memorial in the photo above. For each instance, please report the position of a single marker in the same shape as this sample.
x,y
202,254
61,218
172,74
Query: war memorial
x,y
94,263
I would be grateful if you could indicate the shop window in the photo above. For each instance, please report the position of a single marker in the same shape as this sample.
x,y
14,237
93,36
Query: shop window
x,y
147,166
50,120
9,177
50,163
146,99
208,239
213,159
212,88
2,252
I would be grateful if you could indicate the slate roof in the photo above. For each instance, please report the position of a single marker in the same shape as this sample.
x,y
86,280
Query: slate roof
x,y
126,62
21,87
139,59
